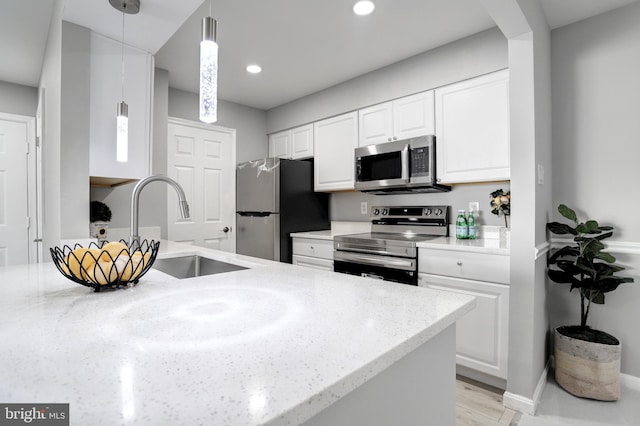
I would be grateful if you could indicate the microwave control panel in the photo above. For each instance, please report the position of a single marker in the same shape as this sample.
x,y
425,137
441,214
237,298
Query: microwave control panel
x,y
420,161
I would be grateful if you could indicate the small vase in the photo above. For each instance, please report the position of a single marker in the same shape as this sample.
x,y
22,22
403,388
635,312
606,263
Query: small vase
x,y
98,230
505,236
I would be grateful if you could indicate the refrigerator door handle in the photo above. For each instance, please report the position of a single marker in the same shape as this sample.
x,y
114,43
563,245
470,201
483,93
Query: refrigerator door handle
x,y
254,214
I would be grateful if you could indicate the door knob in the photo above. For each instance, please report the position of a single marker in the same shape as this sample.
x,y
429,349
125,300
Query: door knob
x,y
226,229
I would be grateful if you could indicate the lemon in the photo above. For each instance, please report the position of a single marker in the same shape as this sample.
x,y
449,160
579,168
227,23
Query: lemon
x,y
112,250
103,273
79,261
124,265
139,261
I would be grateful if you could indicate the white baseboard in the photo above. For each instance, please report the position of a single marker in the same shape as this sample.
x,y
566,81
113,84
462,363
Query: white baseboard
x,y
630,382
523,404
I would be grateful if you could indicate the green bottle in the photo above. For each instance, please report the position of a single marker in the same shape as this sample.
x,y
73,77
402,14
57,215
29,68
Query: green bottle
x,y
462,229
471,223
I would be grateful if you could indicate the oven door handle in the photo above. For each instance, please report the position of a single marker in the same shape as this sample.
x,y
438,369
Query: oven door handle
x,y
404,163
382,261
369,275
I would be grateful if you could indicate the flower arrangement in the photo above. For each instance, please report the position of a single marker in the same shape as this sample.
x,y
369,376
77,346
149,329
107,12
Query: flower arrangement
x,y
501,203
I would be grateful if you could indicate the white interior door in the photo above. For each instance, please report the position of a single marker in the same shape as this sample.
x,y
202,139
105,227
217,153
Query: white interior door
x,y
16,137
202,159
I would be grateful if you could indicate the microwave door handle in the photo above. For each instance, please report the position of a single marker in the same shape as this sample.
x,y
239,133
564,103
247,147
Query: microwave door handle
x,y
404,163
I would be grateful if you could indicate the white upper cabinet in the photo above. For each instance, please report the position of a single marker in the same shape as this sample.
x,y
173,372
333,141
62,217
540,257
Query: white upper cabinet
x,y
402,118
106,94
292,144
279,144
472,129
335,140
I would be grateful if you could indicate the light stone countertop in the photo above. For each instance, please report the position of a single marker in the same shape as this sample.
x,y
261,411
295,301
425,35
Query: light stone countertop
x,y
483,245
273,344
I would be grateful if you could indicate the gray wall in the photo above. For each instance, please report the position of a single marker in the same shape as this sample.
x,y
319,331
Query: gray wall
x,y
250,123
345,206
18,99
595,69
472,56
50,81
74,135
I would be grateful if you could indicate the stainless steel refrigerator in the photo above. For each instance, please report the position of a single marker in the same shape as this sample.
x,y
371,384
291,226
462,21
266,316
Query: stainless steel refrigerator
x,y
275,197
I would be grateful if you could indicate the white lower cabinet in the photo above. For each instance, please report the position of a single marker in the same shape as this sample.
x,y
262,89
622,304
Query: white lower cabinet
x,y
481,335
313,253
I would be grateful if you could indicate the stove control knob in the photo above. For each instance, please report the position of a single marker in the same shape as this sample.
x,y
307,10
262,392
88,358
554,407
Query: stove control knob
x,y
438,212
384,211
376,212
428,212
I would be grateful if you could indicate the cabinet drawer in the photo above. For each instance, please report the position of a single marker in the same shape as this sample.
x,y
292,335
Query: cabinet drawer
x,y
313,262
460,264
314,248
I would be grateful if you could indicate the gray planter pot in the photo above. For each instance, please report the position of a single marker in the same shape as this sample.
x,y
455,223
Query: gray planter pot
x,y
587,369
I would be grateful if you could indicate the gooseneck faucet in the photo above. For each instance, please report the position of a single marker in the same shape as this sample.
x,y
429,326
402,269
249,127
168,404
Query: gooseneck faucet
x,y
134,239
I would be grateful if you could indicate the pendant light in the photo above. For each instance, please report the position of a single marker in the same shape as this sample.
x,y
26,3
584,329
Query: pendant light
x,y
209,70
122,117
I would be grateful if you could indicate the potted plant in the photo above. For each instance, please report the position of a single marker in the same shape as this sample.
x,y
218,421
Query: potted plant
x,y
99,218
587,361
501,205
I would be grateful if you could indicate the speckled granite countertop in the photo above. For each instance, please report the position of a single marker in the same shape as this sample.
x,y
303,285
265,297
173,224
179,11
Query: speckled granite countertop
x,y
273,344
484,245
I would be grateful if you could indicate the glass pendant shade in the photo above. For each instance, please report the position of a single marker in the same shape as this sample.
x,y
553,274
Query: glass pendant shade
x,y
208,72
122,133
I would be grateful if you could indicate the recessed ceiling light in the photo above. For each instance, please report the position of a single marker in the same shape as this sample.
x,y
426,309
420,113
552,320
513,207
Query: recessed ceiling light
x,y
254,69
363,7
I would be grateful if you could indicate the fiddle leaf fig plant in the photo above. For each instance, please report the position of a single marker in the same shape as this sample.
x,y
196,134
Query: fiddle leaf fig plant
x,y
583,264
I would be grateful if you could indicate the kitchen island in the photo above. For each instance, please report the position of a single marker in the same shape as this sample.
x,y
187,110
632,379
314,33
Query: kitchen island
x,y
272,344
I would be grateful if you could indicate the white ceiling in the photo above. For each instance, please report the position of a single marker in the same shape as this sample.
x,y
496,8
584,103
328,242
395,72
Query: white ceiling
x,y
302,47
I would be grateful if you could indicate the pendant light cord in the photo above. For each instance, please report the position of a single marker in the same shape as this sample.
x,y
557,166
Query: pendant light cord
x,y
122,77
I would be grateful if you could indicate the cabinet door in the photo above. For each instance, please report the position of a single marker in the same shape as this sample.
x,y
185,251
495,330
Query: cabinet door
x,y
313,262
302,142
375,124
279,144
335,140
482,334
414,116
106,92
472,129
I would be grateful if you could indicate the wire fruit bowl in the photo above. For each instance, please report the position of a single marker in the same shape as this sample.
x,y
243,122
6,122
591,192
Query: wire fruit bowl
x,y
106,265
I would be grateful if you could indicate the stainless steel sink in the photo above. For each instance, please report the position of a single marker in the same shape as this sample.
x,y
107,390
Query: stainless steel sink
x,y
193,266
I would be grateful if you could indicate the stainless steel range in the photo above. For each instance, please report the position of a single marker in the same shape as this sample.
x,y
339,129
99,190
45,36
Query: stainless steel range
x,y
389,252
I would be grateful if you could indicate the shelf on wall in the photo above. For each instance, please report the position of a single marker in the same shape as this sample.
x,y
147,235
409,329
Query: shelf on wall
x,y
107,182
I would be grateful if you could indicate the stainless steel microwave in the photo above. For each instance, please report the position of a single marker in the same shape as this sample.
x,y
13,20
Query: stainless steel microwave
x,y
403,166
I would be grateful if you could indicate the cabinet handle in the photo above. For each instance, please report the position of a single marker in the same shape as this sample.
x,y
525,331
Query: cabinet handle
x,y
459,263
389,139
395,138
311,247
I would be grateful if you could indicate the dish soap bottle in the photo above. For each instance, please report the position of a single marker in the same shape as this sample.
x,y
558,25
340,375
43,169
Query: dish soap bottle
x,y
471,224
462,229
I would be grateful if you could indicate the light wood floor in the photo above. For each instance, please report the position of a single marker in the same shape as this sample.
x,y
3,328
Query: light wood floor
x,y
478,404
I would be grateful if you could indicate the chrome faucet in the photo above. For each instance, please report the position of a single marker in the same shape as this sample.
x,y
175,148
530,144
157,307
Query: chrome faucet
x,y
134,238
